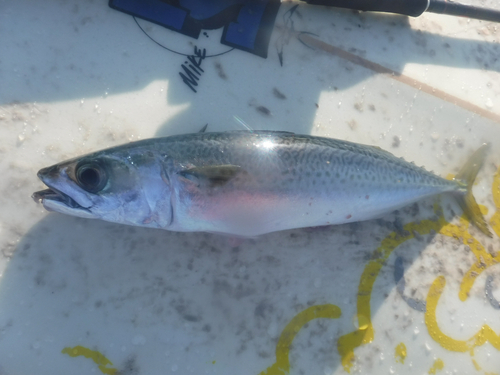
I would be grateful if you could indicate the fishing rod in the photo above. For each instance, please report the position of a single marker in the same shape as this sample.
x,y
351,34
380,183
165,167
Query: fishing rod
x,y
414,8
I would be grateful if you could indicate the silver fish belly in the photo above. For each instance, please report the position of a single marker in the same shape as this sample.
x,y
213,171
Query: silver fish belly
x,y
244,183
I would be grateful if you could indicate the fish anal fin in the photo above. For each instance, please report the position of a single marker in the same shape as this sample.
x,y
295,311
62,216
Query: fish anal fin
x,y
212,175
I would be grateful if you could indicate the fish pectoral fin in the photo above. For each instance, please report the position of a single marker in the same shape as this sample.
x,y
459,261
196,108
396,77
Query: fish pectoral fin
x,y
212,175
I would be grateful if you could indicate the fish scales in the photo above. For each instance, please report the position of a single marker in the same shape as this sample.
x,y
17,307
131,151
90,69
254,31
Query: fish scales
x,y
240,183
329,184
305,160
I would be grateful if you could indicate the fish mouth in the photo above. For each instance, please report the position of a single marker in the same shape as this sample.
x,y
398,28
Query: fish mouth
x,y
58,197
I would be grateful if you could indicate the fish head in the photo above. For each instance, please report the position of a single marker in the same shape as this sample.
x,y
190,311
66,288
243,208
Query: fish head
x,y
124,188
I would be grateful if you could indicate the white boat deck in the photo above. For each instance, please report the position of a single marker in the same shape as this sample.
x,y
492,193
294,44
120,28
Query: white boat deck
x,y
415,292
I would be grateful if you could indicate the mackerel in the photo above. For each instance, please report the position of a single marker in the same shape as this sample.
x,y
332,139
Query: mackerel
x,y
246,183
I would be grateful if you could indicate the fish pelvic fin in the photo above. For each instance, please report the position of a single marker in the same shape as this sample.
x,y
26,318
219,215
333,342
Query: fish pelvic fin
x,y
465,178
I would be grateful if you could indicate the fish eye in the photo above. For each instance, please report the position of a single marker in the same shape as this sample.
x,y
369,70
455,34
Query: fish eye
x,y
91,177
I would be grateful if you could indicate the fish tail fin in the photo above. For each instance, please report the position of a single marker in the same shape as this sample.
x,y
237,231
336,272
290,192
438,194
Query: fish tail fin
x,y
465,178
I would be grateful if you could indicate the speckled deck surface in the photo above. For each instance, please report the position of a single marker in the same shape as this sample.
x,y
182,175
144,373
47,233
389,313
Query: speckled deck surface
x,y
414,292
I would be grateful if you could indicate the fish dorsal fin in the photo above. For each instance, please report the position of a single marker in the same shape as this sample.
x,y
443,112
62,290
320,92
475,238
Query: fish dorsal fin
x,y
382,150
212,175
